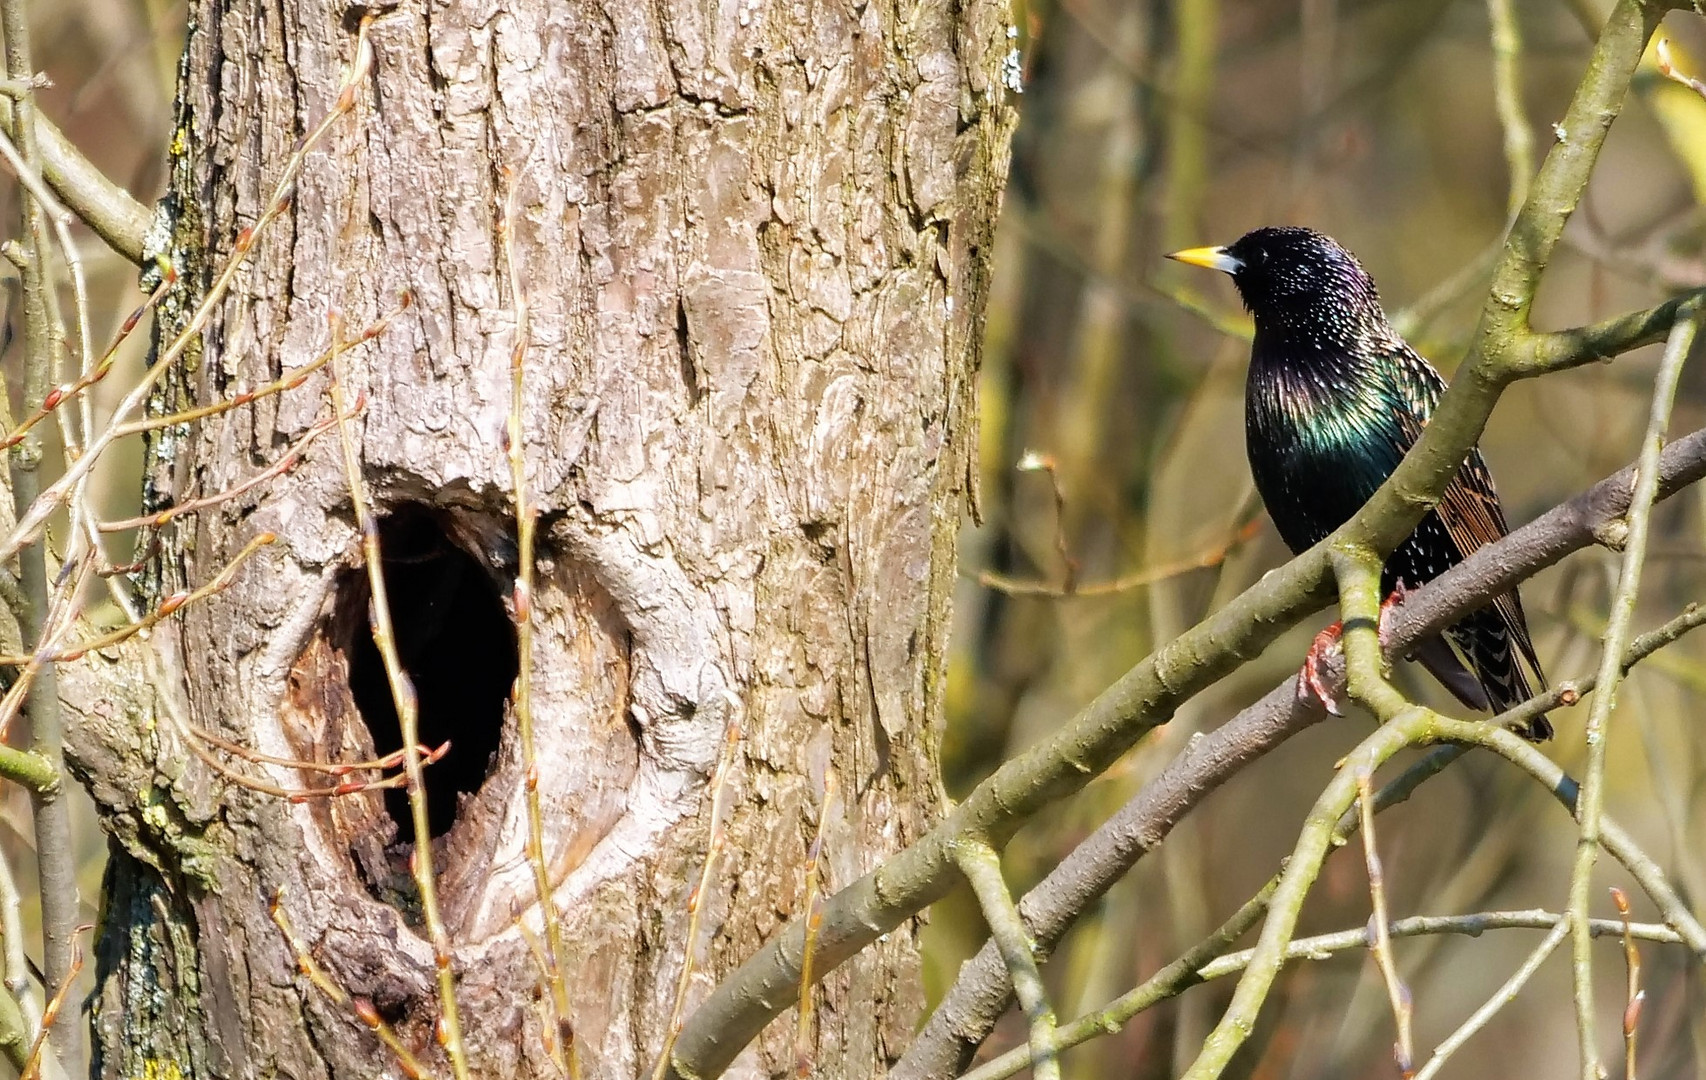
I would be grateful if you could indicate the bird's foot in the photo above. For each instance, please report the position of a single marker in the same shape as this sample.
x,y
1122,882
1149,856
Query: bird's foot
x,y
1384,627
1311,681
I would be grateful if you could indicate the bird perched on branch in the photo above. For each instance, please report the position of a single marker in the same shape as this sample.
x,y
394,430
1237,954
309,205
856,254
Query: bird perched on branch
x,y
1334,399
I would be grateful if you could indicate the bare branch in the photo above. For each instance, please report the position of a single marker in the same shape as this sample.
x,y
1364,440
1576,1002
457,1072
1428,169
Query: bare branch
x,y
55,858
702,889
982,868
1507,97
1381,938
362,1009
1502,997
1617,635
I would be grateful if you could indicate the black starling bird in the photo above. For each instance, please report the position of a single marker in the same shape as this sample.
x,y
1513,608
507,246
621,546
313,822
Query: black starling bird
x,y
1334,399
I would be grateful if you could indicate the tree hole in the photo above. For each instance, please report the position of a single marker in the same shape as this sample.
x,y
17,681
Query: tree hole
x,y
457,645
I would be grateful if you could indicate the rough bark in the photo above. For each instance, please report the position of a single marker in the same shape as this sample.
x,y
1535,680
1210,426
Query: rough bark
x,y
754,239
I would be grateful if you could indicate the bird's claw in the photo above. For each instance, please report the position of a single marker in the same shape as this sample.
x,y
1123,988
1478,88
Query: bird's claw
x,y
1311,681
1384,626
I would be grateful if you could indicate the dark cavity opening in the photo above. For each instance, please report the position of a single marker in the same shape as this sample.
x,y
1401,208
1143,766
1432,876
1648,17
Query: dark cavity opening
x,y
458,647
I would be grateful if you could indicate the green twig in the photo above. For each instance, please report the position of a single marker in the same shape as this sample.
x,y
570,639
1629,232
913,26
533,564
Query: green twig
x,y
982,867
1617,634
28,768
1313,844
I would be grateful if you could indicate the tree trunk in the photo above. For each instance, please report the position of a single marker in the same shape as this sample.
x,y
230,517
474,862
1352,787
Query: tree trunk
x,y
754,239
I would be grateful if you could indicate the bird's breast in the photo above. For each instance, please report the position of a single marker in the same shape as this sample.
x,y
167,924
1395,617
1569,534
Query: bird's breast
x,y
1320,441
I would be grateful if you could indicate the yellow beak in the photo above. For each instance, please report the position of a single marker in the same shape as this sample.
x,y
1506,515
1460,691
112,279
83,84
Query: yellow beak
x,y
1215,258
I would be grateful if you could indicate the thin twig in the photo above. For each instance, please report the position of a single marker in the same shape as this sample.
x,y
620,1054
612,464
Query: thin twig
x,y
560,1034
1507,99
814,919
1192,970
1634,996
1617,634
408,716
1618,844
287,461
1472,925
981,865
60,219
62,608
1503,996
1033,461
363,1009
1397,993
167,607
14,965
62,394
290,380
1214,556
393,760
702,889
1413,318
55,1007
1669,71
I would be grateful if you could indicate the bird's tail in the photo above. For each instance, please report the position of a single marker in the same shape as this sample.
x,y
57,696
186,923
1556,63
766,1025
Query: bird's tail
x,y
1486,643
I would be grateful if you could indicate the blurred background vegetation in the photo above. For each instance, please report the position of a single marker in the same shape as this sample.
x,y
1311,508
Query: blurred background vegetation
x,y
1149,126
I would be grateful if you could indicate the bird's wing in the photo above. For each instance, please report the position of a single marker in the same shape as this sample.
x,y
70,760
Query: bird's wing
x,y
1469,509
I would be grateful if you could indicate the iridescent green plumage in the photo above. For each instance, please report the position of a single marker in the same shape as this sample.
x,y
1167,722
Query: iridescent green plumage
x,y
1334,400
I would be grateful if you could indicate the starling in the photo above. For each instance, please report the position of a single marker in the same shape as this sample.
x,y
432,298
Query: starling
x,y
1334,399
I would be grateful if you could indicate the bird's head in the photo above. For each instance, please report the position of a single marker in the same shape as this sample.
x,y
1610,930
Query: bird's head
x,y
1295,278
